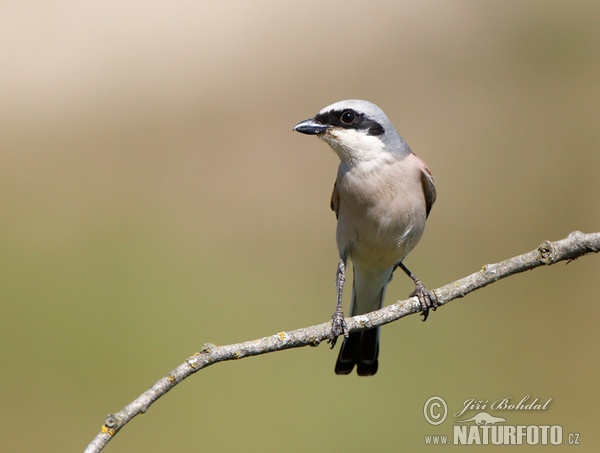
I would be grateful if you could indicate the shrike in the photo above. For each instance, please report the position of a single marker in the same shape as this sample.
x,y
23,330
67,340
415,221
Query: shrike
x,y
381,198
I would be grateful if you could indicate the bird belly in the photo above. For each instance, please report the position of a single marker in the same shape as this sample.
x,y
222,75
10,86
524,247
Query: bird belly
x,y
373,241
381,216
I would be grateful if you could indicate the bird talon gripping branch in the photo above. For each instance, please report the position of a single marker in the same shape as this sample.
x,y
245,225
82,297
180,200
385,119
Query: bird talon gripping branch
x,y
427,299
338,327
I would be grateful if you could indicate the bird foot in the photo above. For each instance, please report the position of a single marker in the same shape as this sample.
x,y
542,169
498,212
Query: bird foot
x,y
427,299
338,327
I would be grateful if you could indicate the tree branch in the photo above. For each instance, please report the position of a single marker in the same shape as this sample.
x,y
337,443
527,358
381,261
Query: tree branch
x,y
575,245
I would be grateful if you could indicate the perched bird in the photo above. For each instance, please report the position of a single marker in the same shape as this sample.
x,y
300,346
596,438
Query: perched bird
x,y
381,198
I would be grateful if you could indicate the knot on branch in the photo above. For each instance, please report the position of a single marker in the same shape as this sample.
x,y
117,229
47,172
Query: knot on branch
x,y
112,424
546,252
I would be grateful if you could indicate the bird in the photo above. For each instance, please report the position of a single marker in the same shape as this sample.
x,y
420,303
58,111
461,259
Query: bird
x,y
381,197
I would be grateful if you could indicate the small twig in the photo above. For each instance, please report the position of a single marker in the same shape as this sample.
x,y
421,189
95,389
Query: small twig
x,y
575,245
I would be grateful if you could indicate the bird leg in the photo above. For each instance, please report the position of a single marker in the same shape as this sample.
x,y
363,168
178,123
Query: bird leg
x,y
427,299
338,323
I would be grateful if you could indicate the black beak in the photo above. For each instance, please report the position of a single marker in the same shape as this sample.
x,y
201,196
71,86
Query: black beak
x,y
310,127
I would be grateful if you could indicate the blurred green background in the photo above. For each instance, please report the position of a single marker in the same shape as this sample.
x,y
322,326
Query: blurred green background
x,y
154,198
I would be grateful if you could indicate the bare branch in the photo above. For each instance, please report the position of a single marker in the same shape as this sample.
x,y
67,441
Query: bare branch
x,y
575,245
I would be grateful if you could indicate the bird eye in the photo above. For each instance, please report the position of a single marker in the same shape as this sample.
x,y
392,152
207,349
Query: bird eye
x,y
347,117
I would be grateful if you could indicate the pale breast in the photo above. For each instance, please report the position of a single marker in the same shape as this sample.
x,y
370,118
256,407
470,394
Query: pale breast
x,y
381,214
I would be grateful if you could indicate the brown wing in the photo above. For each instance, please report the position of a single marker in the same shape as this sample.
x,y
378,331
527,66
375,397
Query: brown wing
x,y
335,200
428,189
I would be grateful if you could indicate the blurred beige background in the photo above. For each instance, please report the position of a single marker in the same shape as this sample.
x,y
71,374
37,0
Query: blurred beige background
x,y
153,198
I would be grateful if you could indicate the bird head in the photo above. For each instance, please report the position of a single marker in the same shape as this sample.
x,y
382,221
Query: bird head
x,y
357,130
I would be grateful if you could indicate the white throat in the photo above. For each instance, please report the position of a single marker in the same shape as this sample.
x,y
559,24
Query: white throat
x,y
355,147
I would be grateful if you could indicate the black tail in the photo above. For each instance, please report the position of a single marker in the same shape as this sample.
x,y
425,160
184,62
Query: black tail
x,y
360,349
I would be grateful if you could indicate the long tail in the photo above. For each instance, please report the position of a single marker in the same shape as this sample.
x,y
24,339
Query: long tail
x,y
362,348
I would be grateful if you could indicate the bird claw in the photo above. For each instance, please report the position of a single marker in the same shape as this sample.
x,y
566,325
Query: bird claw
x,y
427,299
338,327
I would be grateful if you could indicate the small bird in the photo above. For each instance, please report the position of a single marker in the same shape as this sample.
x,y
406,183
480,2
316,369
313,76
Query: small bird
x,y
381,198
